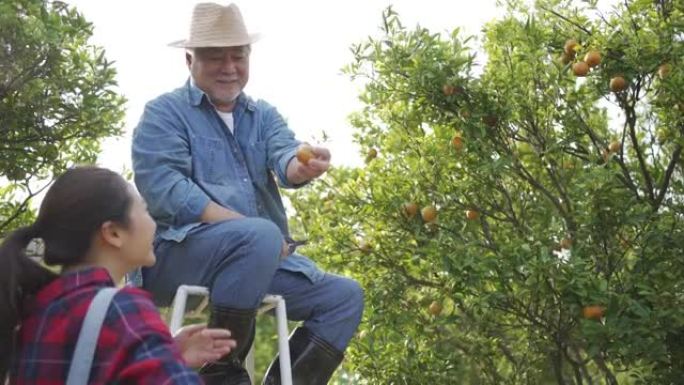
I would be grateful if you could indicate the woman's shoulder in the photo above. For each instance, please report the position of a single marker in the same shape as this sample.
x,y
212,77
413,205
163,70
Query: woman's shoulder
x,y
135,310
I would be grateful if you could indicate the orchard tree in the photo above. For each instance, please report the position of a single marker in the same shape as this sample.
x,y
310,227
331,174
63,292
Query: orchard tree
x,y
519,219
57,100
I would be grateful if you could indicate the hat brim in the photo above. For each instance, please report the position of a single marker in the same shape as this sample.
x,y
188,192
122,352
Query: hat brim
x,y
252,38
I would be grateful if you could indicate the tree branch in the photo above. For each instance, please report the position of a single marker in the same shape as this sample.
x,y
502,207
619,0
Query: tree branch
x,y
630,122
668,177
580,26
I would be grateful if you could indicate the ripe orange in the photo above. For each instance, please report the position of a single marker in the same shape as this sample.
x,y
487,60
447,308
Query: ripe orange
x,y
305,154
580,69
435,308
457,142
614,146
429,213
593,312
570,47
593,58
448,89
472,215
664,70
618,84
410,209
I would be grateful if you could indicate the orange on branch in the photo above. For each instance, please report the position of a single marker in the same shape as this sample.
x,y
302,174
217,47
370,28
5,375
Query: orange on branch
x,y
410,209
580,69
618,83
614,146
429,213
570,47
664,70
472,215
457,143
592,58
593,312
435,308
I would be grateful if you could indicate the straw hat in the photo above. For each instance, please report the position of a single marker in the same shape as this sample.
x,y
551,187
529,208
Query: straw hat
x,y
215,25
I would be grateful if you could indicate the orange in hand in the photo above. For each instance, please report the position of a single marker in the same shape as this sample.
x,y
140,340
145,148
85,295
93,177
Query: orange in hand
x,y
305,154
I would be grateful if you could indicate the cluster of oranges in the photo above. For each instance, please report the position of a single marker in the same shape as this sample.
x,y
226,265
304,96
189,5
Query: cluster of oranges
x,y
593,58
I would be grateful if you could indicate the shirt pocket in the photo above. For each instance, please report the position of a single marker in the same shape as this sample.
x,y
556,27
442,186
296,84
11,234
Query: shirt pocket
x,y
210,160
258,167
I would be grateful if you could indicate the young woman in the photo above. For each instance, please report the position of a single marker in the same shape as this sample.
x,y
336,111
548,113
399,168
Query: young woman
x,y
96,228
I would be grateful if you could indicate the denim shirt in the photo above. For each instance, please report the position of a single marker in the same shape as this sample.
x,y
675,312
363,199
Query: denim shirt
x,y
184,156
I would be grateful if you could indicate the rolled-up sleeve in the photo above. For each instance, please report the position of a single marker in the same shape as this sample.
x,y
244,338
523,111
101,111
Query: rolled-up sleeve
x,y
162,165
281,145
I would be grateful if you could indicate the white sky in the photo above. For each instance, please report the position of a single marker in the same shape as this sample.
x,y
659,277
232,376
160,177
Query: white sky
x,y
296,66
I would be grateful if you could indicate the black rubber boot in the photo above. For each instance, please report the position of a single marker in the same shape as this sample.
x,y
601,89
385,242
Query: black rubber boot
x,y
229,369
313,360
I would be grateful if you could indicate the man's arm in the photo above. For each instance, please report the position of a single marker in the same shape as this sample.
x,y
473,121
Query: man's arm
x,y
214,212
281,147
162,164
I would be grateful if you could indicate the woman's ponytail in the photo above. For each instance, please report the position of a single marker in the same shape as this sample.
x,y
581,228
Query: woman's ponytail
x,y
20,277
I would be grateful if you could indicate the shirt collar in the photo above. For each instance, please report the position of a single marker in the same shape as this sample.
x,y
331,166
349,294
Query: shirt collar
x,y
73,280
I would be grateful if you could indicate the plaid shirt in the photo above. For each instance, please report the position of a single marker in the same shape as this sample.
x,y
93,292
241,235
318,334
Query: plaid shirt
x,y
134,346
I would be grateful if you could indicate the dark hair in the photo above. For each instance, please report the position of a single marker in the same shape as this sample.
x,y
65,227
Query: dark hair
x,y
73,210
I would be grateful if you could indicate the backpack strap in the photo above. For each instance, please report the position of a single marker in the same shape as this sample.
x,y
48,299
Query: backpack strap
x,y
82,360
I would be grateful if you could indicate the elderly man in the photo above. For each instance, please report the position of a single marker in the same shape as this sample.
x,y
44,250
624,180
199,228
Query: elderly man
x,y
206,158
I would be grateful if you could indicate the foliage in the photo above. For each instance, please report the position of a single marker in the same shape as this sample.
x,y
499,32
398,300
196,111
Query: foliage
x,y
57,100
577,193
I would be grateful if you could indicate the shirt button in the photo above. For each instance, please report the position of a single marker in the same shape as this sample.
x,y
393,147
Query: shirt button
x,y
245,180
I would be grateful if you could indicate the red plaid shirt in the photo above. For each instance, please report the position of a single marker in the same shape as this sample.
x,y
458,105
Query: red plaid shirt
x,y
134,346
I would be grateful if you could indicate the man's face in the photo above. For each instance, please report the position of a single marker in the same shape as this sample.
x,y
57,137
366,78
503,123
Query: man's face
x,y
220,72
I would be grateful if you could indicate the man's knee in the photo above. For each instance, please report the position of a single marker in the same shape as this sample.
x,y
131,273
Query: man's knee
x,y
357,297
261,228
252,231
263,240
353,296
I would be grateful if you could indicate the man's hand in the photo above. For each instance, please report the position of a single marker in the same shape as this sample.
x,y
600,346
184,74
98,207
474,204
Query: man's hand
x,y
199,345
299,172
285,250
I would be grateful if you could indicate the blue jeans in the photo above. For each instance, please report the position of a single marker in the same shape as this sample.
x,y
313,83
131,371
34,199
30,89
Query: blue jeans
x,y
239,261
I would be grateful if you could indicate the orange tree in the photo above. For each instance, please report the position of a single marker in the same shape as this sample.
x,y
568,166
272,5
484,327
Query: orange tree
x,y
518,221
58,101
